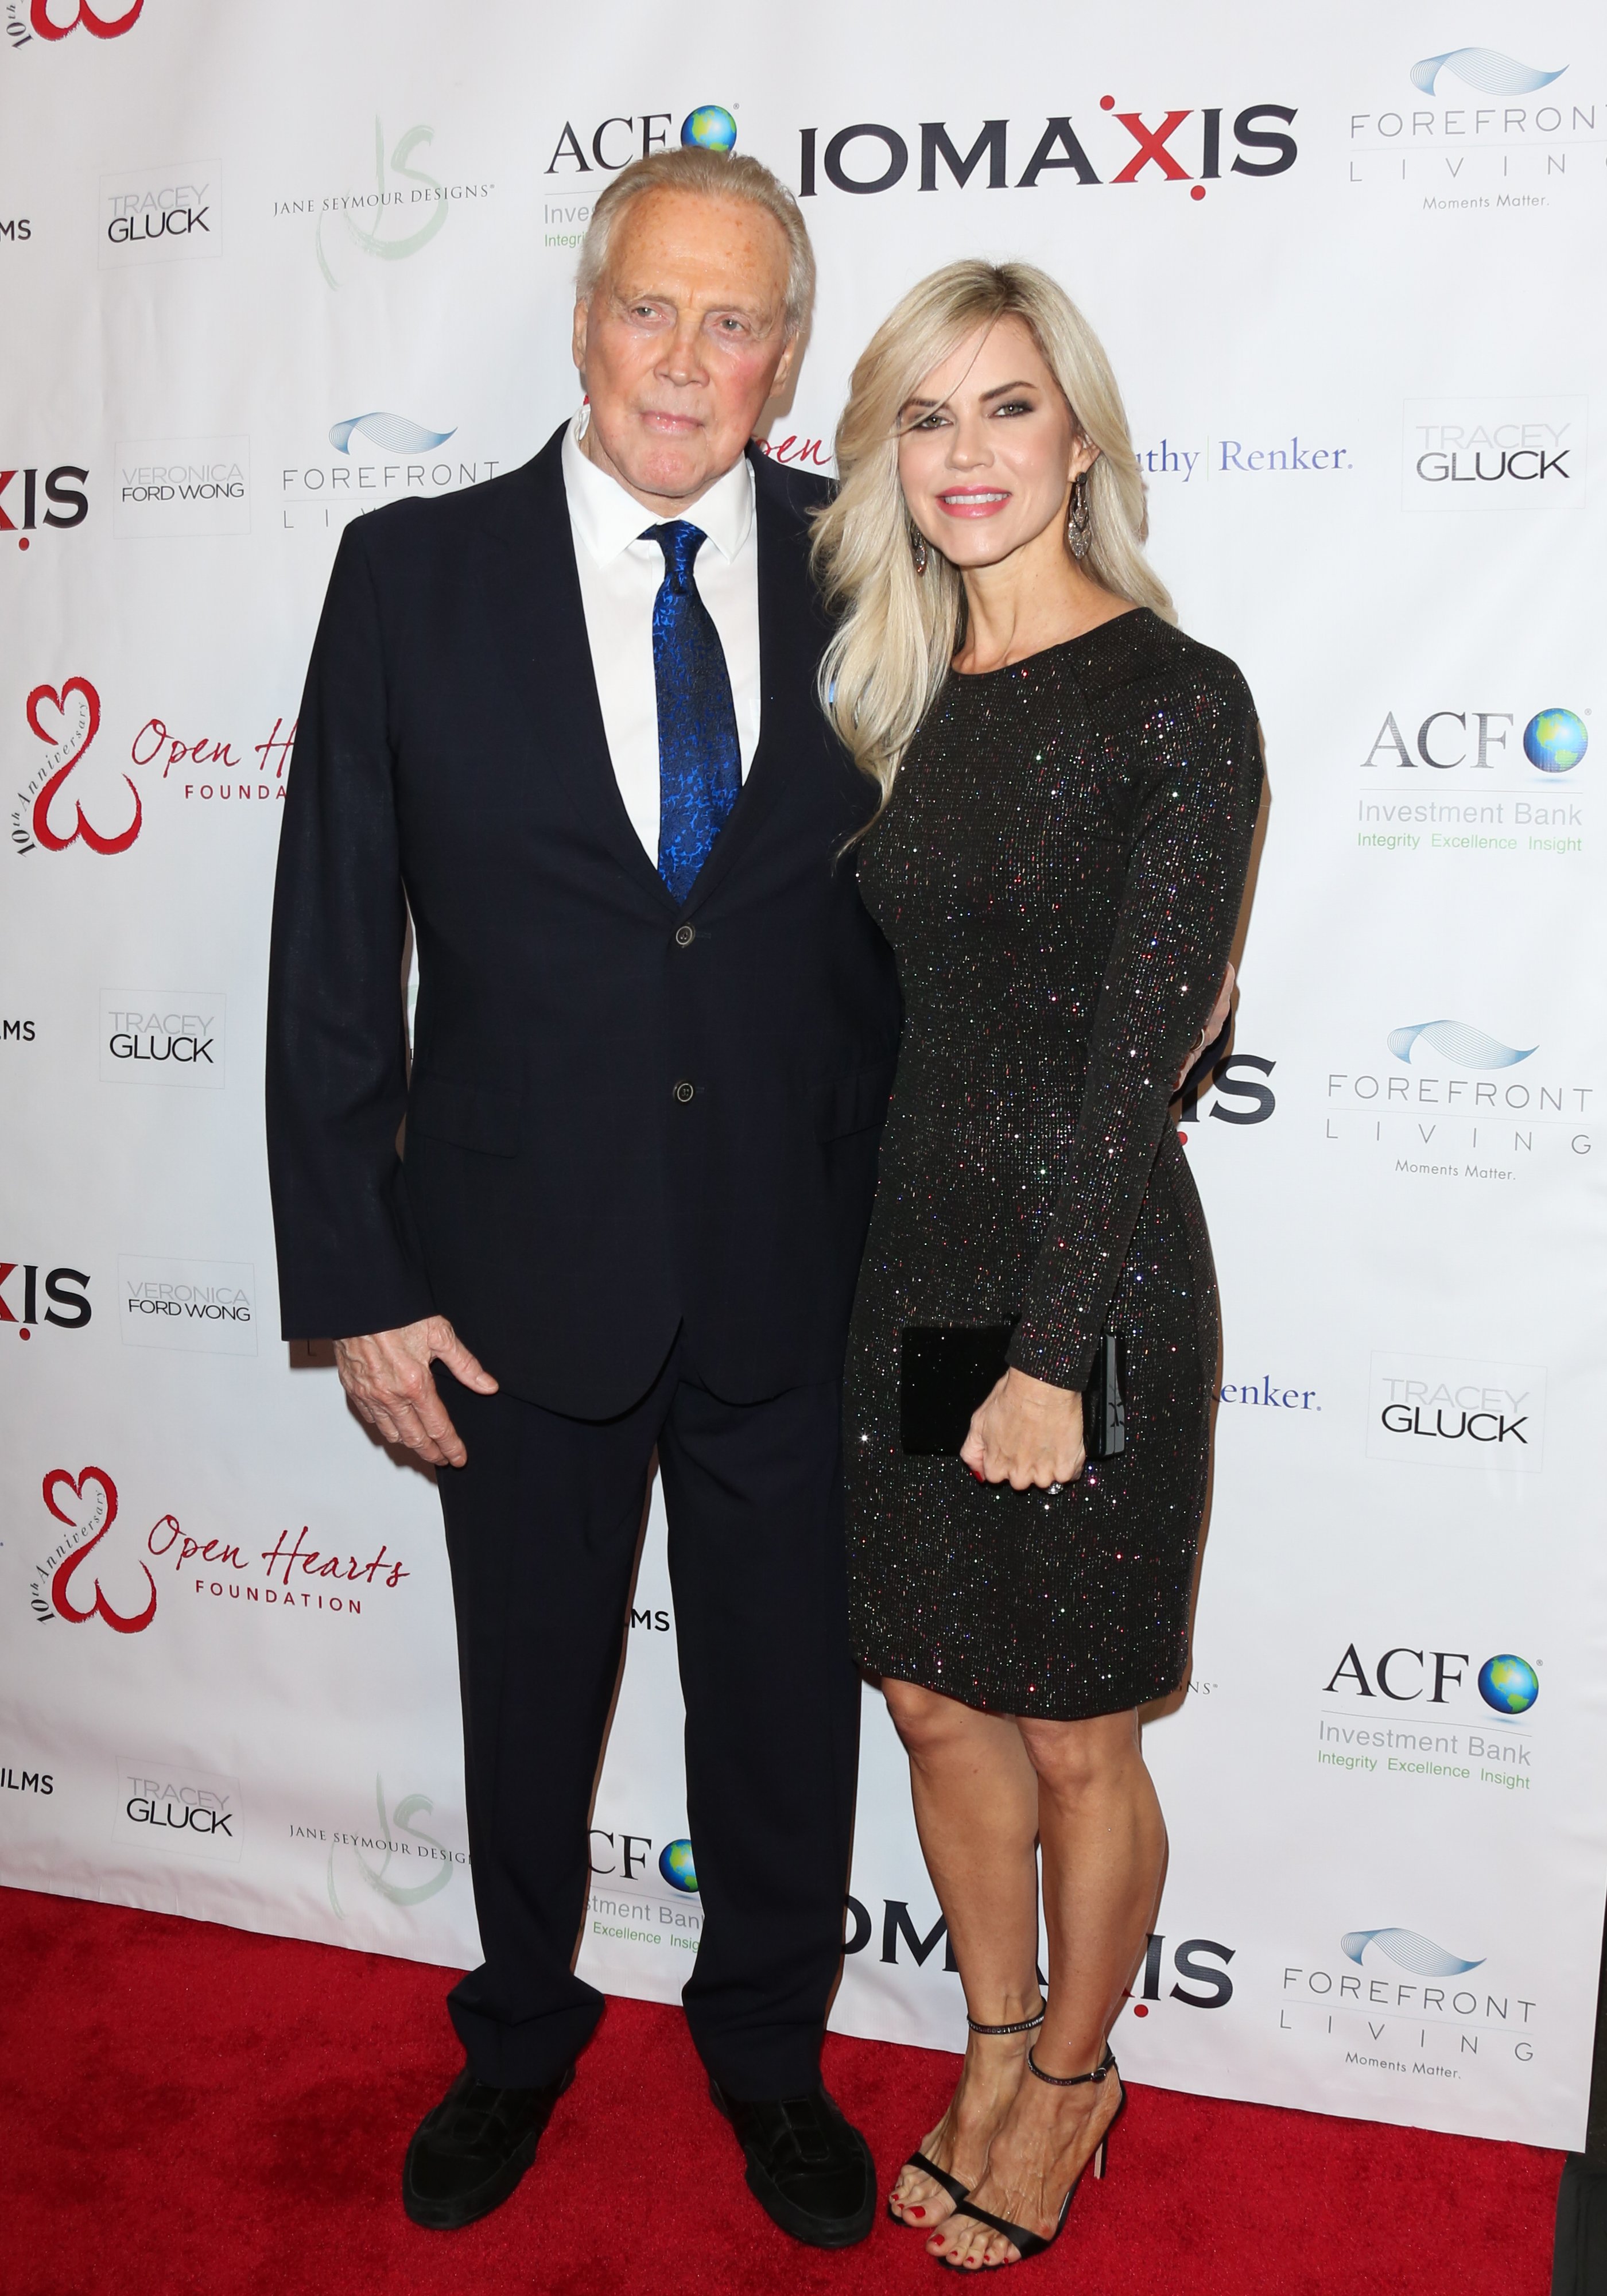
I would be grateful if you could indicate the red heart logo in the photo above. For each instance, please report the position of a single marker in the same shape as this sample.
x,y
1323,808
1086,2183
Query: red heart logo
x,y
91,836
102,1510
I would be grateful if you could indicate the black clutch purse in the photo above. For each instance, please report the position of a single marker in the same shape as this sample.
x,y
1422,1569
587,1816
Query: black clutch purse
x,y
946,1370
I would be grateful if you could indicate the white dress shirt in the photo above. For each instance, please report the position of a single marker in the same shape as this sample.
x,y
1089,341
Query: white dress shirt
x,y
619,579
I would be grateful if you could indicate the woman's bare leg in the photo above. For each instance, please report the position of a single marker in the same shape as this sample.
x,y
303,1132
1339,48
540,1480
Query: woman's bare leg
x,y
976,1801
1104,1848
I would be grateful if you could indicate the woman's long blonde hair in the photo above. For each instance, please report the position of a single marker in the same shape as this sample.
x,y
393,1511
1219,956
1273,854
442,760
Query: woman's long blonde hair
x,y
898,630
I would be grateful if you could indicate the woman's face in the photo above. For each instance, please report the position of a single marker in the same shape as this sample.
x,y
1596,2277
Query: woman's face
x,y
988,448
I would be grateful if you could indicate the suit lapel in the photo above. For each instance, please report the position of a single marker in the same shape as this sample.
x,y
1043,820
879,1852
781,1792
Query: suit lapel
x,y
789,638
539,621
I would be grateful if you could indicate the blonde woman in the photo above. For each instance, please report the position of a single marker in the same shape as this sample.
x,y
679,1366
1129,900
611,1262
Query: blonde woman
x,y
1070,790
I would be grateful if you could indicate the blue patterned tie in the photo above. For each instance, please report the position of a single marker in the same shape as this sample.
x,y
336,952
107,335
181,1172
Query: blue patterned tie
x,y
699,759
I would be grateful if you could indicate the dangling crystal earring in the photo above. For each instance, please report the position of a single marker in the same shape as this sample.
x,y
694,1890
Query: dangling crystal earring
x,y
583,421
917,549
1080,518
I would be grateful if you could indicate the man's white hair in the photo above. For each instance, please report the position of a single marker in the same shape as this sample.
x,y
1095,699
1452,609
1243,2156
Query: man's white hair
x,y
711,175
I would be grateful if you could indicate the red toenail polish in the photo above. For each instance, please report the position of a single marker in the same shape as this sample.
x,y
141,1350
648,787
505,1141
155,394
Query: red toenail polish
x,y
917,2212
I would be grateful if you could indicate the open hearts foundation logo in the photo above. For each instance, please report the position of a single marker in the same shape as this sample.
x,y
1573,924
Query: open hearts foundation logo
x,y
66,722
64,1587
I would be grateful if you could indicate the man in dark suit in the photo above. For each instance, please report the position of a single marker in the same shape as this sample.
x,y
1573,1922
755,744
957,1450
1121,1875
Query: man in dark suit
x,y
568,720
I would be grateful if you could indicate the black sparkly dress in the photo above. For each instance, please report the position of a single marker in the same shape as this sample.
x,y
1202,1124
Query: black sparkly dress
x,y
1059,871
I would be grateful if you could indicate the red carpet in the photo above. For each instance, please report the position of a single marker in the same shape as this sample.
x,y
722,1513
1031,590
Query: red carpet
x,y
192,2109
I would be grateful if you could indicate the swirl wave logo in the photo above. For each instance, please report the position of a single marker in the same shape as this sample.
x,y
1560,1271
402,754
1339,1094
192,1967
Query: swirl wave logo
x,y
393,434
1484,69
1458,1041
1407,1949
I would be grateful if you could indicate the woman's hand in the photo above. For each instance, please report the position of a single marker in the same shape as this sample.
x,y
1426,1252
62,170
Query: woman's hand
x,y
1212,1030
1027,1434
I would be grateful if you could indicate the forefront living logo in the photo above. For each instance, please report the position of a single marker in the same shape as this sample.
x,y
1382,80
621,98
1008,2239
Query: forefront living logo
x,y
1399,2003
1471,135
406,460
50,814
1433,1115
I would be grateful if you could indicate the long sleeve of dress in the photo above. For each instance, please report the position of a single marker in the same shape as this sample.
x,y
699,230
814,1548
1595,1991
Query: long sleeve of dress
x,y
1190,757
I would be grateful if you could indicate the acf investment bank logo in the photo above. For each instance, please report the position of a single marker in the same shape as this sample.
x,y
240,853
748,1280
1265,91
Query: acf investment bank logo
x,y
50,811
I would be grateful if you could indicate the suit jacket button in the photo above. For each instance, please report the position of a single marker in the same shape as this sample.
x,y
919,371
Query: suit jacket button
x,y
686,935
684,1092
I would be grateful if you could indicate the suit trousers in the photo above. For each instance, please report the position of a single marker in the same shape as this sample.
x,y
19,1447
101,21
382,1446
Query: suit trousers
x,y
542,1529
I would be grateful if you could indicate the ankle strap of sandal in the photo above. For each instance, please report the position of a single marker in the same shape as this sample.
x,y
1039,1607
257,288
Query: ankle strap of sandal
x,y
1022,2025
1107,2064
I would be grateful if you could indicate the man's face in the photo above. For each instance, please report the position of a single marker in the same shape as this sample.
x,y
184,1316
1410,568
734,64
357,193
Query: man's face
x,y
682,342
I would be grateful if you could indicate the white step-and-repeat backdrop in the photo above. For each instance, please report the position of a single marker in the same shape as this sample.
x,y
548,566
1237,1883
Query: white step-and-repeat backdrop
x,y
266,267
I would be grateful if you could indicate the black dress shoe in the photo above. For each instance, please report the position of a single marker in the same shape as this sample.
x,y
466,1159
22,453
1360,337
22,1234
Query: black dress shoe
x,y
471,2151
808,2167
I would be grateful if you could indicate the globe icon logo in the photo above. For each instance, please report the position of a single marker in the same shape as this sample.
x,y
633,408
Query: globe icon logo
x,y
1556,739
675,1859
1508,1684
710,126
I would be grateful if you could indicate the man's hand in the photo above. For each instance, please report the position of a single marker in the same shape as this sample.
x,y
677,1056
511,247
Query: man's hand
x,y
1027,1434
1220,1010
387,1375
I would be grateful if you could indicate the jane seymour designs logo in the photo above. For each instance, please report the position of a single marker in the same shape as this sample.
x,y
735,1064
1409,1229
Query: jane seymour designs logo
x,y
67,721
86,1503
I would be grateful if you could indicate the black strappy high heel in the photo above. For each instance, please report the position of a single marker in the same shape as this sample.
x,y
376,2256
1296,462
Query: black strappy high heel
x,y
1033,2243
952,2185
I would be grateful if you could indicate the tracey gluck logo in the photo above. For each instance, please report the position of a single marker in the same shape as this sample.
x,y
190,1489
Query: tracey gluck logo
x,y
164,213
1494,453
194,1307
1448,1410
164,1036
171,1805
51,813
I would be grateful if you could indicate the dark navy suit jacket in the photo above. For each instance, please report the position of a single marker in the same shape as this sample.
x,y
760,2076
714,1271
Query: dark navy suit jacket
x,y
624,1117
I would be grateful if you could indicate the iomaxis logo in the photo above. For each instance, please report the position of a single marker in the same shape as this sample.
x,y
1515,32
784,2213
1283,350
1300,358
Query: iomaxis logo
x,y
870,157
